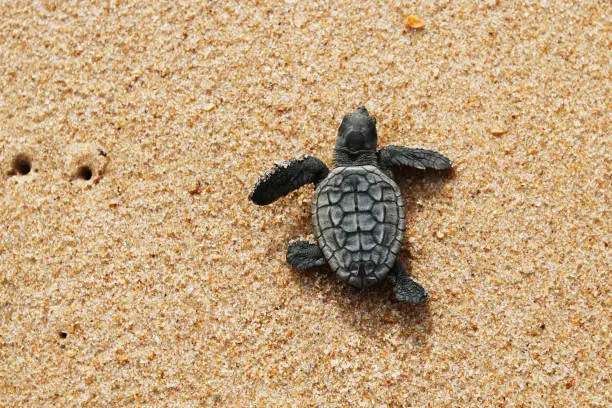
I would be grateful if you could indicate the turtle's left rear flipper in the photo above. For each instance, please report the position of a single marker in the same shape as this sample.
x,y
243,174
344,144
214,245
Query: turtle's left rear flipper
x,y
304,255
286,177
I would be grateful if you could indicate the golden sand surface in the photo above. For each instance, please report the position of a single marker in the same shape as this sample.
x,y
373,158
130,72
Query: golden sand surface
x,y
135,272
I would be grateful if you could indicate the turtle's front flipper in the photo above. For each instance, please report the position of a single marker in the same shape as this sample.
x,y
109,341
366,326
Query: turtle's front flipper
x,y
303,255
406,289
418,158
286,177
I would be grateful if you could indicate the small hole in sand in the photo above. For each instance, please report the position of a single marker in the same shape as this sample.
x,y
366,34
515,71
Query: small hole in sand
x,y
22,165
84,173
63,334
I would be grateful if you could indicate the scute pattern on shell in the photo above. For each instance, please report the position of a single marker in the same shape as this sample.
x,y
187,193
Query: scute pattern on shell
x,y
358,218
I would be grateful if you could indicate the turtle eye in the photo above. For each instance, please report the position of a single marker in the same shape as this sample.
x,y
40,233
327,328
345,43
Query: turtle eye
x,y
343,123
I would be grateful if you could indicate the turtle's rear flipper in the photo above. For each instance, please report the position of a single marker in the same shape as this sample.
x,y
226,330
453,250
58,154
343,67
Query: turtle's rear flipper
x,y
406,289
303,255
390,156
286,177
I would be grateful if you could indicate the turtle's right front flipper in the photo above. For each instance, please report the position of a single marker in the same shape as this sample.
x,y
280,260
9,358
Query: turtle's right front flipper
x,y
286,177
422,159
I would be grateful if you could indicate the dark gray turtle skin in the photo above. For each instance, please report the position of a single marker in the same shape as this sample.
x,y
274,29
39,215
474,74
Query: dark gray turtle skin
x,y
357,212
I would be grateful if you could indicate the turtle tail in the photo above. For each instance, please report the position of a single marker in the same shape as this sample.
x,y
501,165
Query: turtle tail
x,y
362,274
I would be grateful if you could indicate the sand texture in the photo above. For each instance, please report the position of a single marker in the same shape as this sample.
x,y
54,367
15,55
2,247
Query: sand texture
x,y
134,271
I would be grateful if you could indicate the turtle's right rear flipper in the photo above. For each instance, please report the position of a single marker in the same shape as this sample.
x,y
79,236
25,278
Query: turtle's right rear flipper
x,y
406,289
286,177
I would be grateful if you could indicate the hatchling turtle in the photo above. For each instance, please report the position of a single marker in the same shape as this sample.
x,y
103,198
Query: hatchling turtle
x,y
357,212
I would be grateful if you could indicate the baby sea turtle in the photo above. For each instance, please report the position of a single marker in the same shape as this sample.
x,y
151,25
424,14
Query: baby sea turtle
x,y
357,212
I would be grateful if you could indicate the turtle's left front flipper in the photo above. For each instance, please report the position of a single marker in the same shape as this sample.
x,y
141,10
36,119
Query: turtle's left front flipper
x,y
286,177
418,158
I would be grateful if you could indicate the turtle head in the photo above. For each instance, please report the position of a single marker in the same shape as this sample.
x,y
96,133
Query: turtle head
x,y
357,132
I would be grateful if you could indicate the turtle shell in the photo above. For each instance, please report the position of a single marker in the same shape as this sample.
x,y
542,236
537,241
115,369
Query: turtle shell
x,y
358,218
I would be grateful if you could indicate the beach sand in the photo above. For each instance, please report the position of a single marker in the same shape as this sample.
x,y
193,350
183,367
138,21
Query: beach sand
x,y
134,271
